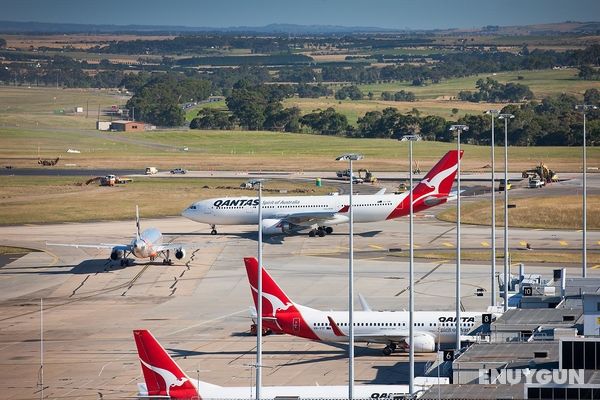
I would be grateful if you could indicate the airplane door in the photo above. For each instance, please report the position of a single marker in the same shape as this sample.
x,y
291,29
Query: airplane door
x,y
296,324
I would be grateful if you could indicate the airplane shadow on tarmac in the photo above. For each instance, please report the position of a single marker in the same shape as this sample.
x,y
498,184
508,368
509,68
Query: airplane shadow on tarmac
x,y
386,375
270,239
93,266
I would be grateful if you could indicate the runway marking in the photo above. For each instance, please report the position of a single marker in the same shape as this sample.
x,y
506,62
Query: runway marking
x,y
484,244
54,257
448,244
596,266
441,234
207,322
563,243
420,279
374,246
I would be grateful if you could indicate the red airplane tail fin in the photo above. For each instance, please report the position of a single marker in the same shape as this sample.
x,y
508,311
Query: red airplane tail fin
x,y
440,178
274,298
434,188
162,375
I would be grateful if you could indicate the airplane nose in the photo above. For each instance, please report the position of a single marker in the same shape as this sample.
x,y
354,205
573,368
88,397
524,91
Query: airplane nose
x,y
189,212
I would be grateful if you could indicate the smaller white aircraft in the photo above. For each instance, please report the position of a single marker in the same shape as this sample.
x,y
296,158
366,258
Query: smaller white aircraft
x,y
146,244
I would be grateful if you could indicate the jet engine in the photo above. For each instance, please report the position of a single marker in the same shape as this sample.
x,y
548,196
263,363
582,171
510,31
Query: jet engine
x,y
424,344
179,254
117,254
275,226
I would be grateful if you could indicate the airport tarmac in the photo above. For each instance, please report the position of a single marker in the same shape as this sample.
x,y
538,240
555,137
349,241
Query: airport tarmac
x,y
199,308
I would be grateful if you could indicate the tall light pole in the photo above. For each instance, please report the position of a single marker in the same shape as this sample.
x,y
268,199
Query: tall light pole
x,y
584,108
506,117
259,296
350,158
411,269
458,129
494,114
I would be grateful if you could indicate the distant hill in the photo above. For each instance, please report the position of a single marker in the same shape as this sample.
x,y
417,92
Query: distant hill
x,y
568,27
44,27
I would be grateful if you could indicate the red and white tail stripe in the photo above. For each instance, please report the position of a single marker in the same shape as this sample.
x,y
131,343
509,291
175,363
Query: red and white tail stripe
x,y
162,375
434,188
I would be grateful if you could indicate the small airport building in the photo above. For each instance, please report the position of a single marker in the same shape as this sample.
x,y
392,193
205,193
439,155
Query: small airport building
x,y
126,126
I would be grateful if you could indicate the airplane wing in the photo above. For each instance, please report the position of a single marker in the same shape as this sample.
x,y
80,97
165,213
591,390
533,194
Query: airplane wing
x,y
124,247
175,247
311,218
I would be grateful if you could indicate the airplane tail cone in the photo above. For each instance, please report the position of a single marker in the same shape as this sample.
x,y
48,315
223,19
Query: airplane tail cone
x,y
162,375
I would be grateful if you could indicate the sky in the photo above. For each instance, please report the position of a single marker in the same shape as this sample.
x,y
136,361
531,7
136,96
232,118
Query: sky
x,y
398,14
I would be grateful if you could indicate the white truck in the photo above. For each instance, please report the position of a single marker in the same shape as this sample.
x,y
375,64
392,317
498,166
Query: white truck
x,y
151,170
536,183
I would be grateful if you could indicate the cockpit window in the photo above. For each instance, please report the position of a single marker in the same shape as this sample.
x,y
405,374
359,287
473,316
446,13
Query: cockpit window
x,y
193,207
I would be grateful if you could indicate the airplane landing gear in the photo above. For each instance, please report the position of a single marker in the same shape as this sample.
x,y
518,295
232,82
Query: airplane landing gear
x,y
214,230
387,350
320,231
167,259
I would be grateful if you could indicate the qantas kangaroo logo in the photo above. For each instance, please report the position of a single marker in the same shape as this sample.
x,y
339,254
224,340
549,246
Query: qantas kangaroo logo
x,y
276,303
435,182
169,378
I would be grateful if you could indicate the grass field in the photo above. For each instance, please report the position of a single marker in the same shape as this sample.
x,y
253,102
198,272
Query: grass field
x,y
6,250
34,199
193,112
541,82
240,150
555,212
355,109
43,107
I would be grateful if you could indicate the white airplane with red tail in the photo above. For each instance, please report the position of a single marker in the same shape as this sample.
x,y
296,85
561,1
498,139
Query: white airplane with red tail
x,y
391,328
320,213
165,379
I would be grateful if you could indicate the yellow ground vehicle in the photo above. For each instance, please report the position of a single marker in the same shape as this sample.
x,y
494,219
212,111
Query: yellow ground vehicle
x,y
366,176
501,186
542,172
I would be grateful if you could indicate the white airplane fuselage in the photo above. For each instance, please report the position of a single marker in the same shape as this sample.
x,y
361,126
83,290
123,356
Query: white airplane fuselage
x,y
440,325
244,210
210,391
144,246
